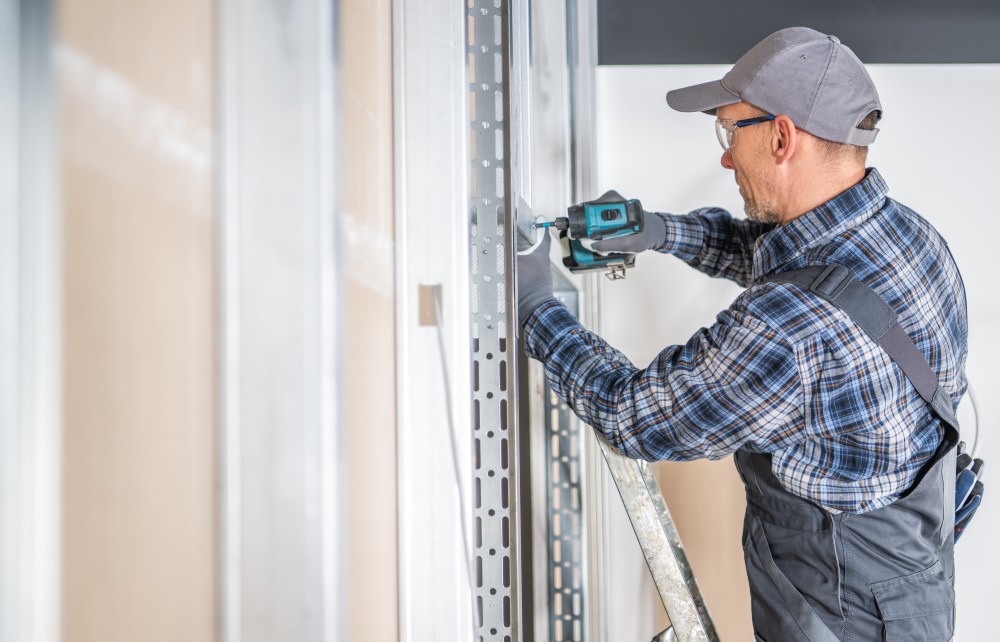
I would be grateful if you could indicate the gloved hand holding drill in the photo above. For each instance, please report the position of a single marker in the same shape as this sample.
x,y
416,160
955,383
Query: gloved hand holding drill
x,y
652,236
534,277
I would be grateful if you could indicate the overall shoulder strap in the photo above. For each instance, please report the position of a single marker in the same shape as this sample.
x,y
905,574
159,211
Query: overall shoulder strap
x,y
838,285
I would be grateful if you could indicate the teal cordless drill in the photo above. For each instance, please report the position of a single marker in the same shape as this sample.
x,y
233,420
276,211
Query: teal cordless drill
x,y
611,216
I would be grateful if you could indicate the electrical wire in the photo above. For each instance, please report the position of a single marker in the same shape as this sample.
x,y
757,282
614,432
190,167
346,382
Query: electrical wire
x,y
974,447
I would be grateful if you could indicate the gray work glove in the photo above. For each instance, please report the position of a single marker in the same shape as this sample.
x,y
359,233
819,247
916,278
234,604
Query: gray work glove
x,y
534,277
652,236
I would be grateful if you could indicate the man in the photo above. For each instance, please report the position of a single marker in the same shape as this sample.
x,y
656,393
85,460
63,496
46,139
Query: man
x,y
850,502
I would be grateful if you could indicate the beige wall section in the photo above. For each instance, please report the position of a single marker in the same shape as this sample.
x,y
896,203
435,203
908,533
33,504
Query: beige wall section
x,y
139,485
707,502
369,309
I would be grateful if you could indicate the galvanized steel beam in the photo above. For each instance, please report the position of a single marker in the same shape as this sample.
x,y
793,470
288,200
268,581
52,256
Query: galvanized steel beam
x,y
280,320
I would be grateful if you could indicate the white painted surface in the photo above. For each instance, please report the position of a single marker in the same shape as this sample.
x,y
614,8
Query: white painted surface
x,y
435,487
936,157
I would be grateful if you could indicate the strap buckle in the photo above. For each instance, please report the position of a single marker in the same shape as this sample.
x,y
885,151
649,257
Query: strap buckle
x,y
832,281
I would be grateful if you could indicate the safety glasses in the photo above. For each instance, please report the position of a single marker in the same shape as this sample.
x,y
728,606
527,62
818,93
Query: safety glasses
x,y
725,129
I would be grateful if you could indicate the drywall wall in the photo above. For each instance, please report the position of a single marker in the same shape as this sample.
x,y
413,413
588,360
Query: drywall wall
x,y
369,299
135,102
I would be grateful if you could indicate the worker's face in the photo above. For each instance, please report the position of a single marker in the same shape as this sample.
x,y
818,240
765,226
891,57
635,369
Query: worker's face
x,y
750,159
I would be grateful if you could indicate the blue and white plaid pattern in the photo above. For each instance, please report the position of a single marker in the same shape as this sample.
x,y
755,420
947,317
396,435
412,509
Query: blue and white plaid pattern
x,y
781,370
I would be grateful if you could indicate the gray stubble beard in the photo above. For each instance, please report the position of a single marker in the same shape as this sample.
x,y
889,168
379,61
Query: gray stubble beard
x,y
756,213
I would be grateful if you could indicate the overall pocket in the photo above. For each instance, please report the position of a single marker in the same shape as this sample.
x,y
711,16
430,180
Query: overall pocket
x,y
920,606
779,610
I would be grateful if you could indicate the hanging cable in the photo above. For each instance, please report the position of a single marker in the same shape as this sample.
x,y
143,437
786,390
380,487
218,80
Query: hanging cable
x,y
976,442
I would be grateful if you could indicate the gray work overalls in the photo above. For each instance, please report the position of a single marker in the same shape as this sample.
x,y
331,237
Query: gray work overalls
x,y
887,574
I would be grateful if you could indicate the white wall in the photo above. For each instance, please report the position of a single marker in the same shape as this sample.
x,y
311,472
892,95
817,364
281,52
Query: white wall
x,y
938,153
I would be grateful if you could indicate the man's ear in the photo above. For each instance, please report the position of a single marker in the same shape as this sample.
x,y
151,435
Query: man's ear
x,y
784,139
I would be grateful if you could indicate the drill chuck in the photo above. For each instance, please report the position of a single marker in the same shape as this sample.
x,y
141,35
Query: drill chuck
x,y
560,223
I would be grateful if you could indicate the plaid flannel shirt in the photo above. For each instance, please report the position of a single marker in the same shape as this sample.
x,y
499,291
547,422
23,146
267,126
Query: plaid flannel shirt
x,y
781,370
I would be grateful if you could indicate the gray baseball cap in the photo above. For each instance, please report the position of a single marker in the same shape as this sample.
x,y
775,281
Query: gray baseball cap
x,y
810,77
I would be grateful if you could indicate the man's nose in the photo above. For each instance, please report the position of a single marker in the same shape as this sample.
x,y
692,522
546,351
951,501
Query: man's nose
x,y
727,159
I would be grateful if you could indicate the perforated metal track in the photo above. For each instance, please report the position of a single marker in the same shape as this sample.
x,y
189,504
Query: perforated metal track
x,y
566,596
493,492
